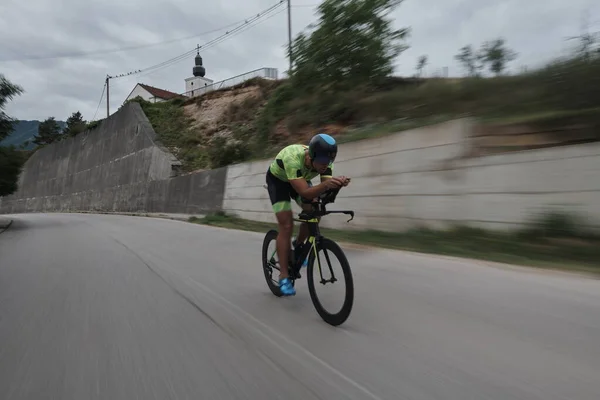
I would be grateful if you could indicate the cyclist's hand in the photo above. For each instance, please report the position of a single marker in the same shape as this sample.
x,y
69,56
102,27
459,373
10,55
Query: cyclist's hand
x,y
345,180
333,183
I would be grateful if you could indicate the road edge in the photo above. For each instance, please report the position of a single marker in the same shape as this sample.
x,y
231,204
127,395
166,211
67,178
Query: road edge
x,y
2,229
482,263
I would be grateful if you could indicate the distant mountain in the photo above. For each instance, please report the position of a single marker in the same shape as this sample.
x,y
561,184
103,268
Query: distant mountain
x,y
24,131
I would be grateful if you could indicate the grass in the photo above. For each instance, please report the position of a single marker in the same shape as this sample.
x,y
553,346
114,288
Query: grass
x,y
552,241
554,117
390,128
174,130
563,93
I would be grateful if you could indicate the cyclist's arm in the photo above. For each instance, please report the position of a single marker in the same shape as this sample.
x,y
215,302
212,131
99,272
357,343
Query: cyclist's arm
x,y
328,174
301,187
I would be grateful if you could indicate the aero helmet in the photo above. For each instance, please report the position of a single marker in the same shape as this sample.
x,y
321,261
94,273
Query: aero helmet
x,y
322,148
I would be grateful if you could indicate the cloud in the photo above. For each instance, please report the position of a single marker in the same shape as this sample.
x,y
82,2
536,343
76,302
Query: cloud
x,y
536,29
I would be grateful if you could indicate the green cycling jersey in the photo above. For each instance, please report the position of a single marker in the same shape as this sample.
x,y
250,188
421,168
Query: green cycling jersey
x,y
289,165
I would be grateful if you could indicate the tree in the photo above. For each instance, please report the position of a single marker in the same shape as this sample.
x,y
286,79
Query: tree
x,y
8,91
421,63
48,132
75,125
11,164
497,55
11,161
353,42
470,60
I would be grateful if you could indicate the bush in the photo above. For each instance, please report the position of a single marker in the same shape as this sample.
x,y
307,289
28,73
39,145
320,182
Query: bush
x,y
222,152
92,125
274,110
11,164
554,224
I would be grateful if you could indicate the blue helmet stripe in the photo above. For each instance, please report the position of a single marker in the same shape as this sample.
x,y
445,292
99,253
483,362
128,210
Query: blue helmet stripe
x,y
327,138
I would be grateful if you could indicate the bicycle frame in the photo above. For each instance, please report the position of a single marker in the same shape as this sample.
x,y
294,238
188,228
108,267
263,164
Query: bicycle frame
x,y
310,249
312,218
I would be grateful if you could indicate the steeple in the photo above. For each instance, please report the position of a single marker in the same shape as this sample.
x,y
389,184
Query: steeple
x,y
198,70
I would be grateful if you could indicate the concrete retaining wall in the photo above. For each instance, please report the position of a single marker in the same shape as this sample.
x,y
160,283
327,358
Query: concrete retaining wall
x,y
196,193
420,177
116,167
417,177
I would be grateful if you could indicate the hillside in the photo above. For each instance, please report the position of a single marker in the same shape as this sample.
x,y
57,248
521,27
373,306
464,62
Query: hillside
x,y
553,106
25,131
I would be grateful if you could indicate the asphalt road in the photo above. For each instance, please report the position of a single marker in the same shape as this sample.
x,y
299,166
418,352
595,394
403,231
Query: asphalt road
x,y
113,307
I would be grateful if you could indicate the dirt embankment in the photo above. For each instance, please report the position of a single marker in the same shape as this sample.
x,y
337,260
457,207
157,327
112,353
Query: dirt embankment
x,y
208,112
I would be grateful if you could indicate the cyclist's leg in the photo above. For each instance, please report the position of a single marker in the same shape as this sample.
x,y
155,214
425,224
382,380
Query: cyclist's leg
x,y
279,195
303,231
285,227
305,204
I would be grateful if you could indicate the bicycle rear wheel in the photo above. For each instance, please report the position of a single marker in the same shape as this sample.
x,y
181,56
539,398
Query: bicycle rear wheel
x,y
269,261
326,248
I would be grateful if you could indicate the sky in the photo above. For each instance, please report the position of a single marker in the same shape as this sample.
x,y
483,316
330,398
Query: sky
x,y
60,51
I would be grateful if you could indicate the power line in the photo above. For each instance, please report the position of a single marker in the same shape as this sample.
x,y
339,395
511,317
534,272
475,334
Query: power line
x,y
121,49
206,46
246,25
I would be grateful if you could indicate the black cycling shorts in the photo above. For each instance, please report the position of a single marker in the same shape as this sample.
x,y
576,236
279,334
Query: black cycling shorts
x,y
281,194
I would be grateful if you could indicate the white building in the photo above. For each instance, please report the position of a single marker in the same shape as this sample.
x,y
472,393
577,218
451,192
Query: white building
x,y
198,84
151,93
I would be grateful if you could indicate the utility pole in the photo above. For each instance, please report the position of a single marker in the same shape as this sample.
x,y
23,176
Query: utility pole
x,y
289,7
107,97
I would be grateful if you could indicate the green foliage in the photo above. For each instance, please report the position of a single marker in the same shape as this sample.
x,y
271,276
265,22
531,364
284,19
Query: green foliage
x,y
336,86
48,132
23,132
512,247
555,90
92,125
492,53
570,83
275,109
222,152
556,224
11,161
200,147
174,130
497,55
167,119
8,91
353,41
421,63
75,125
470,60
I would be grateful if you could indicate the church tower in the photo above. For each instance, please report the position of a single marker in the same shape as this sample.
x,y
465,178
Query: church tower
x,y
197,84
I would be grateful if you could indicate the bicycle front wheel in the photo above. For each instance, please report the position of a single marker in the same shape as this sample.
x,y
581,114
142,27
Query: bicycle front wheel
x,y
270,264
326,275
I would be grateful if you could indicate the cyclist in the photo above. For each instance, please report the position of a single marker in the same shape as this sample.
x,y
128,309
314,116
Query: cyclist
x,y
289,177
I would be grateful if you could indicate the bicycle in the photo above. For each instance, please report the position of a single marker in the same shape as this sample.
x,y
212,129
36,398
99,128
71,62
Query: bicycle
x,y
315,243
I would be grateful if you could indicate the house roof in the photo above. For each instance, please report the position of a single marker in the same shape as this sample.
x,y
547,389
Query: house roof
x,y
160,93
